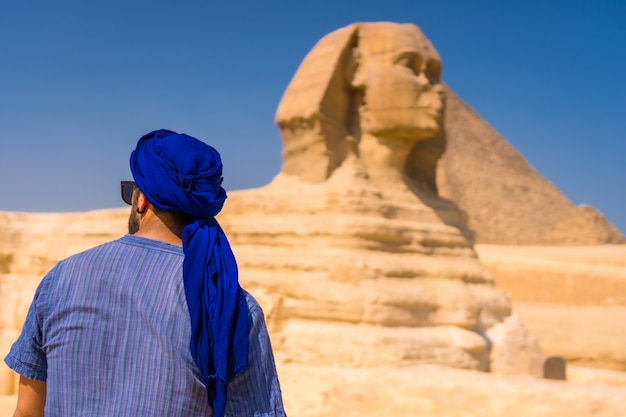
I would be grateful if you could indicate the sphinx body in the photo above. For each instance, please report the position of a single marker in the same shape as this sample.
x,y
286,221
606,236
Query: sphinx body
x,y
359,259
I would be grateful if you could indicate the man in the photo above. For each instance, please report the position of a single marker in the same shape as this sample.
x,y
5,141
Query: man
x,y
154,323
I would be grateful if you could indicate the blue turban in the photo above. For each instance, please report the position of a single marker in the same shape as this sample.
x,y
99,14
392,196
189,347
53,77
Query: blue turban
x,y
177,172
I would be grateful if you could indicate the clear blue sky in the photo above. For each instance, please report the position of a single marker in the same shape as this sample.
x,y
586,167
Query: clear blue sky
x,y
81,81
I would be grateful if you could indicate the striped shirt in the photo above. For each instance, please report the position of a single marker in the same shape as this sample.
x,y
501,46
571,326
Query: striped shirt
x,y
109,332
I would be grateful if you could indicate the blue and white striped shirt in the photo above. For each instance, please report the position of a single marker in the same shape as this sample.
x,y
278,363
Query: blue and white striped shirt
x,y
109,331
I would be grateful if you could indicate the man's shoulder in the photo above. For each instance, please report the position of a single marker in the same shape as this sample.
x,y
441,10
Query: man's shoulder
x,y
255,312
120,247
93,251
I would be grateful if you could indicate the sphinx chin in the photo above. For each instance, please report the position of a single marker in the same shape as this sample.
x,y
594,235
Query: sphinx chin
x,y
404,126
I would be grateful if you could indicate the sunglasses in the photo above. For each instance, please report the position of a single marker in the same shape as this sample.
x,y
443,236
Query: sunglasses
x,y
127,188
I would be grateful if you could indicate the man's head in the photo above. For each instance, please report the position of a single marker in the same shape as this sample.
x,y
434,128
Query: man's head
x,y
176,177
174,220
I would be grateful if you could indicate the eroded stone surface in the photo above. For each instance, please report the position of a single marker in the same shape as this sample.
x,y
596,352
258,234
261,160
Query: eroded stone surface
x,y
549,367
351,241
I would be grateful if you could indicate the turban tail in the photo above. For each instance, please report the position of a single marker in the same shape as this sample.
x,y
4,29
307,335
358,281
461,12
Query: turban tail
x,y
177,172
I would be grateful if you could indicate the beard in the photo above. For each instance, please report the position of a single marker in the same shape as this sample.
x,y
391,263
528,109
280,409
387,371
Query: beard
x,y
133,219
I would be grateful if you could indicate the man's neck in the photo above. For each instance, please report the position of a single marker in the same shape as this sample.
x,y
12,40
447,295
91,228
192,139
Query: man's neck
x,y
158,227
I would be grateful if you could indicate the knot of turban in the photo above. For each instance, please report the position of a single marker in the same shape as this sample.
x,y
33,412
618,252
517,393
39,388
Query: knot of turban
x,y
177,172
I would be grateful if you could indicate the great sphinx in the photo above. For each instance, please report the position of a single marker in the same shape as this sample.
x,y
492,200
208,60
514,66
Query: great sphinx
x,y
355,256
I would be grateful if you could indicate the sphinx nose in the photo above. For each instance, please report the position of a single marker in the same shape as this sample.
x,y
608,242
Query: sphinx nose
x,y
438,88
423,80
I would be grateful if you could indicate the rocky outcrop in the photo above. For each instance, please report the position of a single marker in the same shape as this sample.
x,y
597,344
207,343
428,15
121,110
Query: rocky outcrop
x,y
376,289
350,243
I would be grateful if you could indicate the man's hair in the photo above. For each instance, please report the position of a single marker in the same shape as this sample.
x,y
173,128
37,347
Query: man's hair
x,y
181,219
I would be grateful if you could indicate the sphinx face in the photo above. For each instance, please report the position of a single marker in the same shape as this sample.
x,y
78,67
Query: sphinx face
x,y
399,72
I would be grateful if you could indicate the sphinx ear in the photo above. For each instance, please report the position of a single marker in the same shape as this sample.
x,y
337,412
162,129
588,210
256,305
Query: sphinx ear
x,y
354,70
314,113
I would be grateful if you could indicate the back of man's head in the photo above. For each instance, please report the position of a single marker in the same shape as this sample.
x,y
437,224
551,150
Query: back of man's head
x,y
179,173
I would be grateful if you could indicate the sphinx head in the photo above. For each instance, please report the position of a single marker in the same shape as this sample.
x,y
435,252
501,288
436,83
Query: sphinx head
x,y
398,72
367,79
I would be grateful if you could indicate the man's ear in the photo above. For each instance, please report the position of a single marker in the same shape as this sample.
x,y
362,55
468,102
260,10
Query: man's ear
x,y
142,203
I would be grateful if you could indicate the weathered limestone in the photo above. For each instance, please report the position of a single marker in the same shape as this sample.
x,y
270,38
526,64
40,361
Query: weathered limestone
x,y
350,243
507,201
322,122
514,348
549,367
583,225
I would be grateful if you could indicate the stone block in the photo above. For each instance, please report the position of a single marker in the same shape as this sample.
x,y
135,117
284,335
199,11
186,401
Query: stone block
x,y
548,367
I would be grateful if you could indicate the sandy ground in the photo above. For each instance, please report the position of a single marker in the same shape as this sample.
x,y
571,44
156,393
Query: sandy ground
x,y
433,391
442,392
